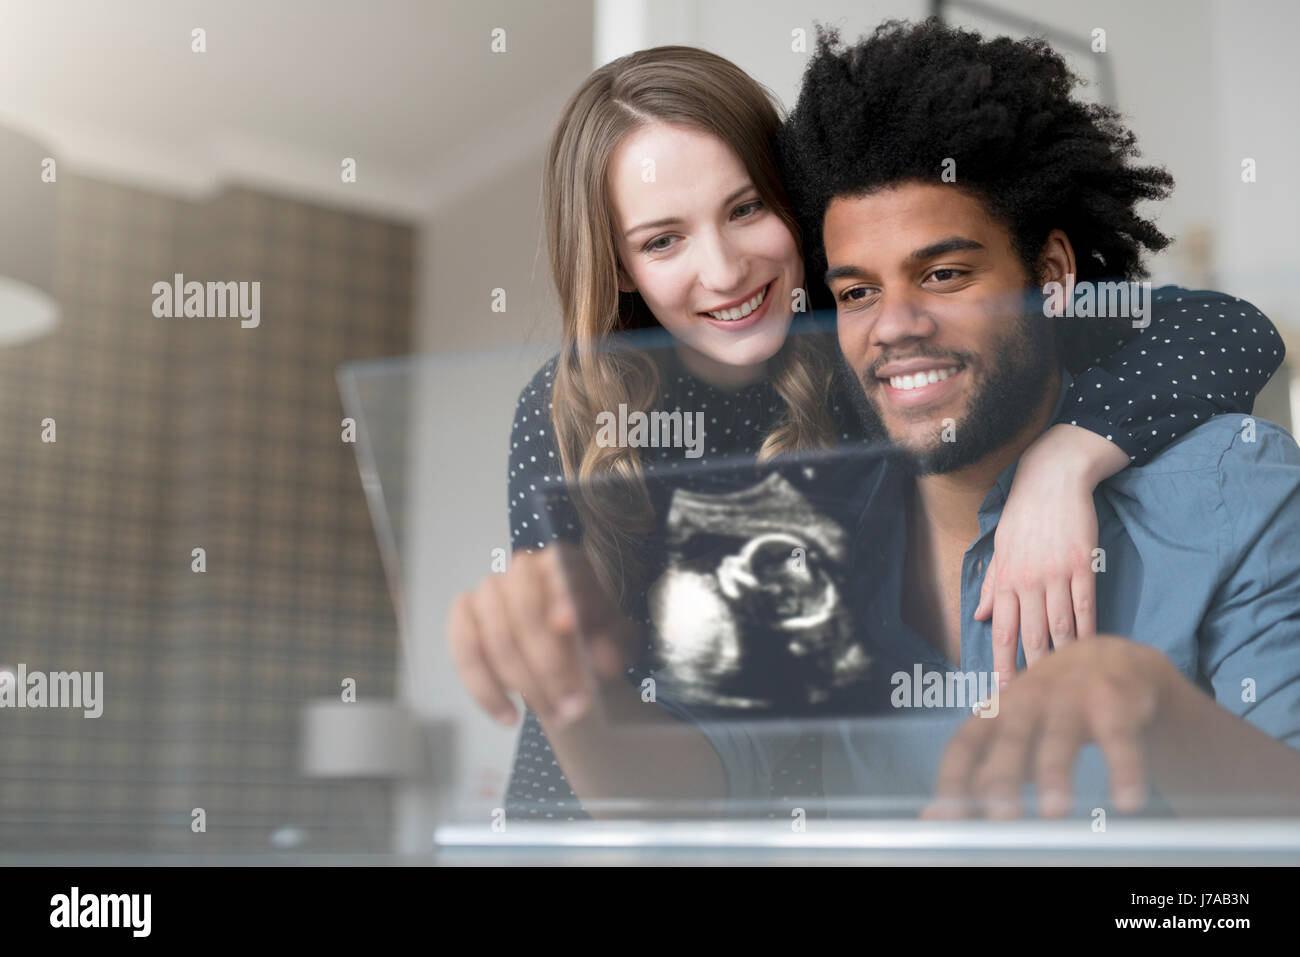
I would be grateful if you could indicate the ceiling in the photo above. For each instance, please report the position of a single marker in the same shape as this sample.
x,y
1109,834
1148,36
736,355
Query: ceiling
x,y
287,89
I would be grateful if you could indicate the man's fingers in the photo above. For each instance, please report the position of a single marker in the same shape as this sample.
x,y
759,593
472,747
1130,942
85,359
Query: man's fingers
x,y
1125,763
1060,614
1064,733
467,655
1000,775
952,792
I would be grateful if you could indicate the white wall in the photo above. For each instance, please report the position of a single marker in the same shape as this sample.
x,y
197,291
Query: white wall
x,y
489,237
1257,78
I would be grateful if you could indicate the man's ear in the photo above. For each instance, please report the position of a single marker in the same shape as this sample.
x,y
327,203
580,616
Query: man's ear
x,y
1056,261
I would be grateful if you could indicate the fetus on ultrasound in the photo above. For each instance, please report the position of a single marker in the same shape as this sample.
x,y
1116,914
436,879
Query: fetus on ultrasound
x,y
750,611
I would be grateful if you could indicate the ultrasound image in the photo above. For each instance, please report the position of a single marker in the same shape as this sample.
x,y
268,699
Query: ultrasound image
x,y
750,611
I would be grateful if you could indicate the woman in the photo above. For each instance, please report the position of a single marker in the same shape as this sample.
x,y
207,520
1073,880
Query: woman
x,y
664,209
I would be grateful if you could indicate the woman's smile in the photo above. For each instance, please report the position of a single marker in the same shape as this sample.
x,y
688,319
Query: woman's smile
x,y
741,313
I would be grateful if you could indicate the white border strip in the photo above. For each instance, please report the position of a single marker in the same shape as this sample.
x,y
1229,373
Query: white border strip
x,y
1274,836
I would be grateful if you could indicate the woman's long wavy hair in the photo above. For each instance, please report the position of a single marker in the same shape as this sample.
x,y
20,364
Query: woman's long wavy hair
x,y
684,86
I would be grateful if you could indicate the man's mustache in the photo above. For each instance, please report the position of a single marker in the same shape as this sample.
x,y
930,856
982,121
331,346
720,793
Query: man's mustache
x,y
872,374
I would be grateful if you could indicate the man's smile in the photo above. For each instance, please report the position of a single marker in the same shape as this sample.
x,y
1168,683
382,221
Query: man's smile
x,y
918,382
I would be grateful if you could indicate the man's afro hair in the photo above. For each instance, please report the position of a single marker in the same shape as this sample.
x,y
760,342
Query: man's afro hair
x,y
894,106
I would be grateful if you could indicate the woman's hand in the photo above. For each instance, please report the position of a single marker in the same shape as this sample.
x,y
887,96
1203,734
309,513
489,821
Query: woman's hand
x,y
1039,583
547,630
536,630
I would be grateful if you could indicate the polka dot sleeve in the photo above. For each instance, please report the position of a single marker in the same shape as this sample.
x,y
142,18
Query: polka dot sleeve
x,y
535,466
1204,353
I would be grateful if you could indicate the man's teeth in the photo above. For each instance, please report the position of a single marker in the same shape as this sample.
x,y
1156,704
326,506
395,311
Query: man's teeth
x,y
918,379
741,311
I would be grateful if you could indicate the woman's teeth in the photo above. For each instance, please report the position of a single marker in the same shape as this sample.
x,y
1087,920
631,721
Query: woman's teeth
x,y
741,311
918,379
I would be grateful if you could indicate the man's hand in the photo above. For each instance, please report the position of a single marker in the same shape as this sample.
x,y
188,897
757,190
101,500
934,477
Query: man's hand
x,y
1109,691
535,630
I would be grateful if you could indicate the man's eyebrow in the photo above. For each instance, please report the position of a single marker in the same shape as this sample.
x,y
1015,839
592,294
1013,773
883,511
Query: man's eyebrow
x,y
676,220
950,245
843,272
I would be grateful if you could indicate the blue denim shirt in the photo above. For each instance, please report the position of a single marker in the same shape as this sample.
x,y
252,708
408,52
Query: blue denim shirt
x,y
1202,561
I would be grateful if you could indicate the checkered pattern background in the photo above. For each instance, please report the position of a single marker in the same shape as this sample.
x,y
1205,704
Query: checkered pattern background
x,y
180,433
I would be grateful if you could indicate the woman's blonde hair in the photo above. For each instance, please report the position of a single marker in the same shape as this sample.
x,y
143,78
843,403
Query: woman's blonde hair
x,y
685,86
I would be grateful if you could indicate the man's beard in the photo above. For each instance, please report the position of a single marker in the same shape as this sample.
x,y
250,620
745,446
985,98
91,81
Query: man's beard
x,y
1001,406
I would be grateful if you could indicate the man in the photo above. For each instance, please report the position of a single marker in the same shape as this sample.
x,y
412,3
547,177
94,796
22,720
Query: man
x,y
940,177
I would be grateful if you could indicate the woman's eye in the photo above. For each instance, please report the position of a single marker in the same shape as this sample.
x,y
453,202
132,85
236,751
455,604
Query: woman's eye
x,y
657,245
746,209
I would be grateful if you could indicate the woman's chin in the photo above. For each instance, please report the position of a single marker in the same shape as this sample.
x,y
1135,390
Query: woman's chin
x,y
738,357
756,348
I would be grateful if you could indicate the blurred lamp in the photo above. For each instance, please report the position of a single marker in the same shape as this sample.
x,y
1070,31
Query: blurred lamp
x,y
27,219
359,739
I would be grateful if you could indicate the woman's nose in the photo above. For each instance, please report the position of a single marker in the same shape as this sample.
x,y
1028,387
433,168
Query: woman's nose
x,y
722,268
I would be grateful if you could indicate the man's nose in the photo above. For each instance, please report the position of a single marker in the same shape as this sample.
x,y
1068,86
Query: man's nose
x,y
722,267
902,316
